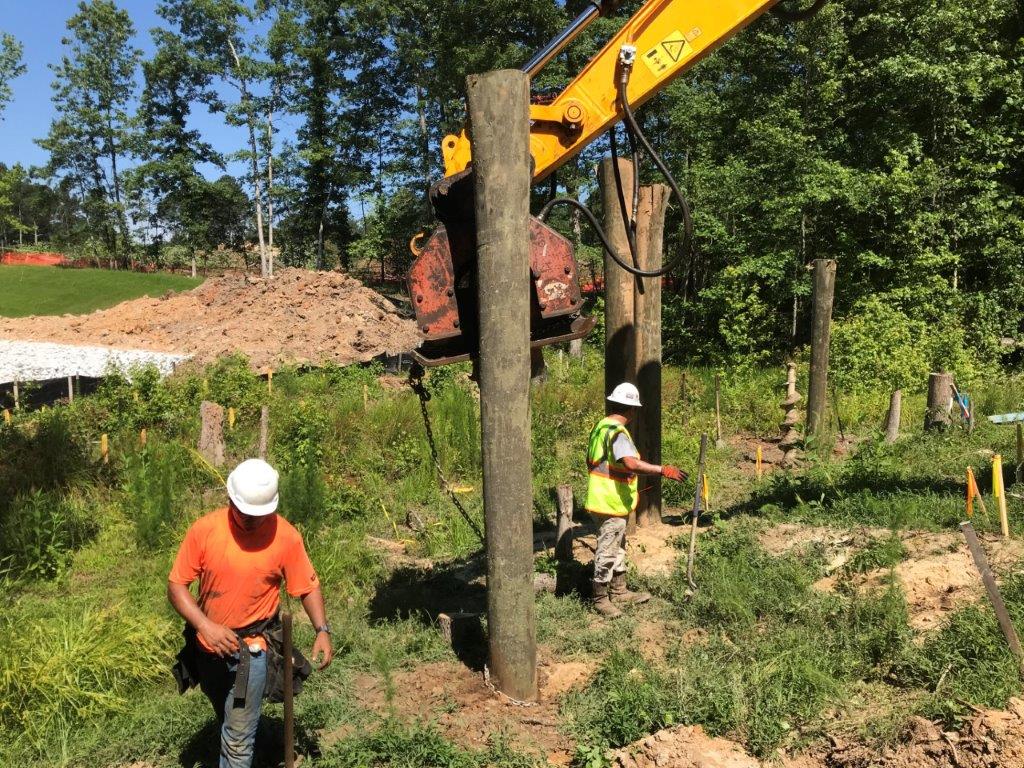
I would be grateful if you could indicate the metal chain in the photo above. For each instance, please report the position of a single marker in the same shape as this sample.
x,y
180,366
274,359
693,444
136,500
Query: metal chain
x,y
505,696
416,382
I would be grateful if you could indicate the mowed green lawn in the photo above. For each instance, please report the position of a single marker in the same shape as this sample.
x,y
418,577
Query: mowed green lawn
x,y
51,291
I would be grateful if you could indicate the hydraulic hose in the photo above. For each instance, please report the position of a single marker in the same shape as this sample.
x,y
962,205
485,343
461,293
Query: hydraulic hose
x,y
635,134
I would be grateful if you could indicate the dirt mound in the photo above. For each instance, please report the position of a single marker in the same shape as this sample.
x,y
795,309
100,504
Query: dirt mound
x,y
685,746
992,739
296,317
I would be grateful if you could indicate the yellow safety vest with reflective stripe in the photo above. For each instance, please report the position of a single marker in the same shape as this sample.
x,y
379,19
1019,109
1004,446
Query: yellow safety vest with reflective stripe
x,y
611,488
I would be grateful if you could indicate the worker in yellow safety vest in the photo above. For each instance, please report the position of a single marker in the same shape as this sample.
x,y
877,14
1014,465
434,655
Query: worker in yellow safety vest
x,y
614,463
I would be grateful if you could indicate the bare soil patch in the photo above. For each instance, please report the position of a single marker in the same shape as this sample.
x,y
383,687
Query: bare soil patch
x,y
684,746
938,575
297,316
469,712
653,549
992,739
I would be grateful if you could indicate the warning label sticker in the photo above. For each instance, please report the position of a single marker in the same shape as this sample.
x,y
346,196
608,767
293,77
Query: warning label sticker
x,y
666,54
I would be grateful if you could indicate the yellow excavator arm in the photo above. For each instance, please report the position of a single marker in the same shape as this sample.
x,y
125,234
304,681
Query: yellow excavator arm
x,y
661,41
665,37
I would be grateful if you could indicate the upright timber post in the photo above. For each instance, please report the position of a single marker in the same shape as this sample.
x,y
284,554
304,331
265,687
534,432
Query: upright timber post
x,y
647,319
499,135
619,328
821,333
619,291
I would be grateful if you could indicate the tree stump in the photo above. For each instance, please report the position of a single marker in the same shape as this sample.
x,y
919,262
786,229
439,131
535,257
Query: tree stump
x,y
211,435
940,401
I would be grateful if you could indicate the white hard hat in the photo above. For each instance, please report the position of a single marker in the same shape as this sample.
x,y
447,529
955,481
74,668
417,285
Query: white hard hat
x,y
253,488
625,394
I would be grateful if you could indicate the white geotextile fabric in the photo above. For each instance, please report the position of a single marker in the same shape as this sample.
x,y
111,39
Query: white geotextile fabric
x,y
38,361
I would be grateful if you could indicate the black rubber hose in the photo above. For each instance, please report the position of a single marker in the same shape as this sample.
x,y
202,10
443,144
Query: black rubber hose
x,y
635,133
656,159
802,15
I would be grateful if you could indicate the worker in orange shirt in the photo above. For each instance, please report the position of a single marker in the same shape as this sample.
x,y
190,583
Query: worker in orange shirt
x,y
240,554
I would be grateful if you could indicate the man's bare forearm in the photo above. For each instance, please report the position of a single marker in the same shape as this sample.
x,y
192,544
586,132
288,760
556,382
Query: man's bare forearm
x,y
313,603
186,606
641,467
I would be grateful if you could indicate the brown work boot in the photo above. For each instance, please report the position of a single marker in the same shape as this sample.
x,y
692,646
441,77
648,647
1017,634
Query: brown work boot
x,y
620,593
601,602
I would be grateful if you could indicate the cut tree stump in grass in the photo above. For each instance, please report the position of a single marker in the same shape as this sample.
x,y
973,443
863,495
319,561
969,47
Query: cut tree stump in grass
x,y
940,401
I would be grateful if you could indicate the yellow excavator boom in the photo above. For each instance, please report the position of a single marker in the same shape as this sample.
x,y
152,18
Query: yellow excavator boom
x,y
667,37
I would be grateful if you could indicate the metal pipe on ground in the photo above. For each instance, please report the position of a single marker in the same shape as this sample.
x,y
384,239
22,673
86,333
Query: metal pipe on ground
x,y
289,693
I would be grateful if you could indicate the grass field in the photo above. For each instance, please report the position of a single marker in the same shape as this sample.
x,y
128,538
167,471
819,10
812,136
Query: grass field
x,y
763,654
28,291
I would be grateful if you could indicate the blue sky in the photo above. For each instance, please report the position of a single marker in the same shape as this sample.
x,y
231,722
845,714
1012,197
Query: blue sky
x,y
40,25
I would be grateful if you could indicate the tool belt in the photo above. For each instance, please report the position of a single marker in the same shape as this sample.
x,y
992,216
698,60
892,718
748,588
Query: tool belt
x,y
186,668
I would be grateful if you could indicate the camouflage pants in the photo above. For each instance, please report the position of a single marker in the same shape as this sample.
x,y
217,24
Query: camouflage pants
x,y
610,553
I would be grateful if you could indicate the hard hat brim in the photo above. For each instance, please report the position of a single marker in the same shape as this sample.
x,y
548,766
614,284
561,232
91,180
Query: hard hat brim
x,y
253,510
613,399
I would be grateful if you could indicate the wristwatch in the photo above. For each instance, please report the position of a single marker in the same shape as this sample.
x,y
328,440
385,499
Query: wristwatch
x,y
325,628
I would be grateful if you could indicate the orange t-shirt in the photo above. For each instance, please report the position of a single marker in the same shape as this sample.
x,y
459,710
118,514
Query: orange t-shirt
x,y
239,571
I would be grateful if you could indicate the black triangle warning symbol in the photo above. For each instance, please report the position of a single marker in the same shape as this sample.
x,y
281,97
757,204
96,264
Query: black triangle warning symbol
x,y
674,48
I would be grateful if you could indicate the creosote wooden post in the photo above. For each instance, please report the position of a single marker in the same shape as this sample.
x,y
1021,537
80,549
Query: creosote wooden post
x,y
892,420
940,401
650,237
821,334
499,134
619,328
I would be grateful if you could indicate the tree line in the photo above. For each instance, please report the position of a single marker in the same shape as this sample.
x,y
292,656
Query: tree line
x,y
887,135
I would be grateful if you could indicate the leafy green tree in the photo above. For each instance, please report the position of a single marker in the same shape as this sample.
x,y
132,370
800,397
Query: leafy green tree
x,y
310,48
173,152
218,36
93,131
11,67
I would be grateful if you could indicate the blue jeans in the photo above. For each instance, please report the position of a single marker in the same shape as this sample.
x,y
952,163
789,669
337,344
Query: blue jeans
x,y
238,722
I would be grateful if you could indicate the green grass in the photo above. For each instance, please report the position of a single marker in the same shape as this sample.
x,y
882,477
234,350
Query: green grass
x,y
28,291
758,655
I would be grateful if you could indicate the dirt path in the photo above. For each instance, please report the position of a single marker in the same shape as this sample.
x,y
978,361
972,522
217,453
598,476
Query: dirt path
x,y
296,317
